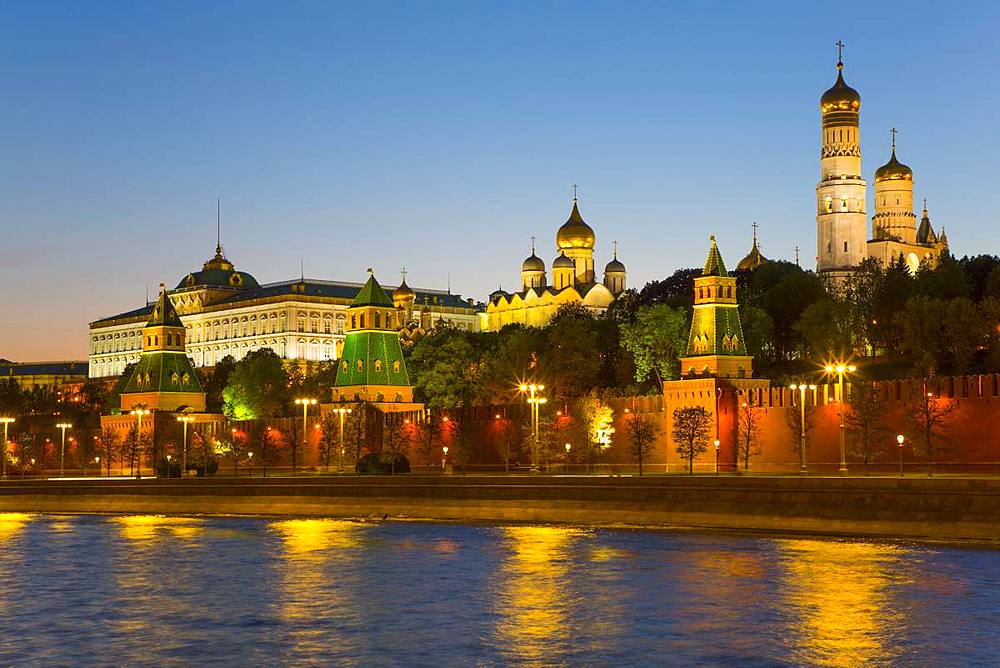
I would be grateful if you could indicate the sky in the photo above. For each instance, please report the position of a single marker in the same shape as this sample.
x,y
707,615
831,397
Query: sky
x,y
441,136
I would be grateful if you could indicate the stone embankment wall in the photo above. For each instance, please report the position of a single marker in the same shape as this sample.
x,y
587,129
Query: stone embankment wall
x,y
912,508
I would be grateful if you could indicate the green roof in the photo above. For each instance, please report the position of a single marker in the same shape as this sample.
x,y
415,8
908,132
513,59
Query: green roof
x,y
163,371
372,294
714,266
163,314
379,352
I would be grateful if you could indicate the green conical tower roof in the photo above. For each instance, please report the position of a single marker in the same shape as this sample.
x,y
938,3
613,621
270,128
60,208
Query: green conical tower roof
x,y
164,314
372,294
714,266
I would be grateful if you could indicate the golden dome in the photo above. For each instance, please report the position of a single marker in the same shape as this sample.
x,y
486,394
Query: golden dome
x,y
533,263
840,97
563,262
893,170
575,233
403,293
753,259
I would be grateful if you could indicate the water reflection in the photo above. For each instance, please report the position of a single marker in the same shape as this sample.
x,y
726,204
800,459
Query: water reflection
x,y
840,599
314,601
142,528
12,523
534,601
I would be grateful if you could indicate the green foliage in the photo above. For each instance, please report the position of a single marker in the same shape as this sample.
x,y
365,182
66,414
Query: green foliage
x,y
571,362
444,369
215,382
257,387
656,340
690,432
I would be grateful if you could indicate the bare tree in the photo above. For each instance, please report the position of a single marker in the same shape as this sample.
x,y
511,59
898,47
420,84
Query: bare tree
x,y
642,432
864,421
930,419
691,432
748,442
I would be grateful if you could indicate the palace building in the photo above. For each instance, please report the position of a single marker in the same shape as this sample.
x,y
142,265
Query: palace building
x,y
842,240
227,312
573,280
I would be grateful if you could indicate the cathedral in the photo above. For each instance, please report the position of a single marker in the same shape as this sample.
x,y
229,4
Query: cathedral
x,y
573,280
842,240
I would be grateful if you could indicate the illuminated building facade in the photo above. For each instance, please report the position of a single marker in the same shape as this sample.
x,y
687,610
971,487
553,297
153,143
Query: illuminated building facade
x,y
227,312
842,241
573,280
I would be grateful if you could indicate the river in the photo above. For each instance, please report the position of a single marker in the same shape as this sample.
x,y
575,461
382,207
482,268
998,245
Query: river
x,y
149,590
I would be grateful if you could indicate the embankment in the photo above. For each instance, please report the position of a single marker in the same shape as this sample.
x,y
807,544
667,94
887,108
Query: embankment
x,y
945,509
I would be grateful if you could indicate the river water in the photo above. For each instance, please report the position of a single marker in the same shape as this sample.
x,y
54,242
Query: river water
x,y
144,590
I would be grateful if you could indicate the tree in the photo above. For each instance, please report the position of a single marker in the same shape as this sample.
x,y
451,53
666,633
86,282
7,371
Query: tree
x,y
597,419
329,436
234,447
445,370
962,333
864,421
691,428
642,432
257,388
929,419
355,429
748,442
110,446
571,361
656,340
263,440
216,381
394,438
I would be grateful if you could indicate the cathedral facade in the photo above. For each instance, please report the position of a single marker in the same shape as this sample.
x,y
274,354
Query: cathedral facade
x,y
842,239
227,312
574,280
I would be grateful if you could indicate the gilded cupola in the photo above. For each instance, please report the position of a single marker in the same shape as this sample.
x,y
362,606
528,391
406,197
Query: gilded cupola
x,y
575,233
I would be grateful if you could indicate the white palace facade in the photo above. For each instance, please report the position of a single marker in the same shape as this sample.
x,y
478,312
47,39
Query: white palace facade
x,y
227,312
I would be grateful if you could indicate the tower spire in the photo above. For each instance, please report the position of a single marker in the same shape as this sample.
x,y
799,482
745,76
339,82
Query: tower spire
x,y
754,226
575,187
615,244
218,226
840,54
532,244
893,132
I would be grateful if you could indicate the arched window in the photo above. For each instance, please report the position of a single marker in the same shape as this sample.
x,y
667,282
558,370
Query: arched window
x,y
354,322
378,321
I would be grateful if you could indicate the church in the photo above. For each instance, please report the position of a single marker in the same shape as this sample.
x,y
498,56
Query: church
x,y
842,240
573,280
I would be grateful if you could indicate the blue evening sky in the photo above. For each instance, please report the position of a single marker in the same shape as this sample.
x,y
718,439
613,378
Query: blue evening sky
x,y
442,135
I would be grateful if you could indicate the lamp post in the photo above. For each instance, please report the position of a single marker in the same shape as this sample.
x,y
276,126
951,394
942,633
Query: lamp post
x,y
342,412
97,461
250,464
534,401
840,370
62,451
717,443
6,423
444,456
167,471
899,441
138,413
185,420
802,387
305,402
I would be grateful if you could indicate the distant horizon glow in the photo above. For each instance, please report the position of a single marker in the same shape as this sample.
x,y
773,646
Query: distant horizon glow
x,y
442,138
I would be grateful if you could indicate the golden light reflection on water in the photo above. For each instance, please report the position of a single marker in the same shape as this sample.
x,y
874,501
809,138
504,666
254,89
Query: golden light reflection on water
x,y
533,606
151,527
839,595
317,553
12,523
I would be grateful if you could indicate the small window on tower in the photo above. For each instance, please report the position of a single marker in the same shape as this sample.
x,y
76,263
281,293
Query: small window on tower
x,y
845,246
843,204
829,204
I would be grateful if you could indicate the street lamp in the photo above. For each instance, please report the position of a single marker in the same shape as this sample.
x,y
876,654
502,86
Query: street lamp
x,y
305,402
717,444
167,473
97,461
6,422
62,452
342,412
535,400
138,413
444,456
185,420
899,441
840,370
250,457
802,387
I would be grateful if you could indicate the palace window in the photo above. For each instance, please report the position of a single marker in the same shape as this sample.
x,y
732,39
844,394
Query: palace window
x,y
378,365
378,320
395,366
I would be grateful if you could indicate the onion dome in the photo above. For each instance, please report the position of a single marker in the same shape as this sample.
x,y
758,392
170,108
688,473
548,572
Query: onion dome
x,y
840,97
575,233
893,170
614,267
533,263
403,293
563,262
753,259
